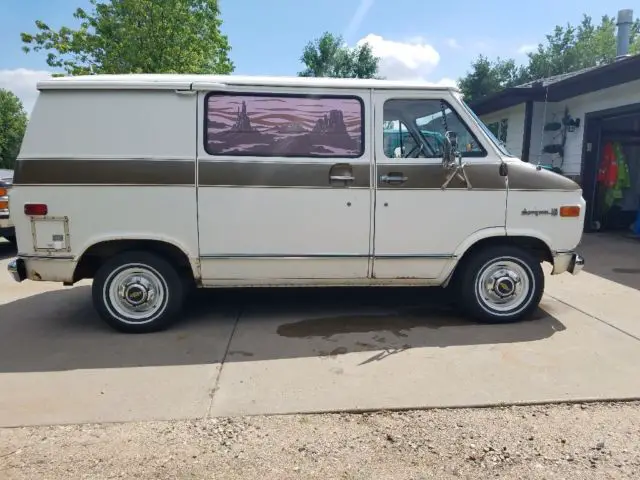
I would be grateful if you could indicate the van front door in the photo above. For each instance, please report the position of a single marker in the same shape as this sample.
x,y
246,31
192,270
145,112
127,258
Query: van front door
x,y
284,192
418,224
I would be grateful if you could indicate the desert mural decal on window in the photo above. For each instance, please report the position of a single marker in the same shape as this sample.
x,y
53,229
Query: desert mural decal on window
x,y
284,126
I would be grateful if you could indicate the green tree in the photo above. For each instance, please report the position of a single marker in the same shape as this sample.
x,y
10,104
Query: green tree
x,y
328,56
13,122
571,48
137,36
488,76
567,49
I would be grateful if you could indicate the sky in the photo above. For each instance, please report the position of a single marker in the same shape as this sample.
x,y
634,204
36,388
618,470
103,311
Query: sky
x,y
416,39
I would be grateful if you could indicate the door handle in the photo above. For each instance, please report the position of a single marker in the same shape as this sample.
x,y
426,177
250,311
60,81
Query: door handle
x,y
393,178
342,178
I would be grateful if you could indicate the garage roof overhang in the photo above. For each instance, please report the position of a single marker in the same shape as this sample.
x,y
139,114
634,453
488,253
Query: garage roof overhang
x,y
562,87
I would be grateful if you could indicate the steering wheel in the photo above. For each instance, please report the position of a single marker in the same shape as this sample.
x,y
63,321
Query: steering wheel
x,y
415,151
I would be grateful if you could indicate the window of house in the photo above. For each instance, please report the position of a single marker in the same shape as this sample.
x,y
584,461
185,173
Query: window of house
x,y
416,129
500,129
284,125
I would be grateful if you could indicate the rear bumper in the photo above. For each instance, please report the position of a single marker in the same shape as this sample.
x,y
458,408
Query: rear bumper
x,y
17,269
39,269
571,262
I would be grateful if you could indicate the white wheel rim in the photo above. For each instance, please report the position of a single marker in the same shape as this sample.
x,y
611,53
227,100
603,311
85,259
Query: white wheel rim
x,y
136,294
504,286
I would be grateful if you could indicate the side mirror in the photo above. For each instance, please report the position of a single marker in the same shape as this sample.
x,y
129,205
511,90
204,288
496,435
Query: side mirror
x,y
450,149
452,161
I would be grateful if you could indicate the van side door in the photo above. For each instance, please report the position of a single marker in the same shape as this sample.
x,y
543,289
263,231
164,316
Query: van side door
x,y
419,224
284,185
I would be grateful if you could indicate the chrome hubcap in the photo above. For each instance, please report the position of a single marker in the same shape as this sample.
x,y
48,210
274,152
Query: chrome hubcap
x,y
137,293
503,285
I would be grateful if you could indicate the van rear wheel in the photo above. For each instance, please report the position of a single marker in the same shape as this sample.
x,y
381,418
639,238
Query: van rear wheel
x,y
501,284
138,292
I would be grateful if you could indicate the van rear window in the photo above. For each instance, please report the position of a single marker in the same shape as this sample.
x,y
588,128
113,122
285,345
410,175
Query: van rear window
x,y
267,125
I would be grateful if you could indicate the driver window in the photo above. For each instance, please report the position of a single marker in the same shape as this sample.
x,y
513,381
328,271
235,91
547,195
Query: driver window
x,y
416,129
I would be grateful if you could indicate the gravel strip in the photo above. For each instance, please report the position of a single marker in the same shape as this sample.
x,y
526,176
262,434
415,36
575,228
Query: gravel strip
x,y
599,441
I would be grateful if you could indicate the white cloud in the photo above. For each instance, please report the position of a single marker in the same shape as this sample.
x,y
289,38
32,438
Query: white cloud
x,y
415,39
358,17
453,43
447,82
22,82
413,60
524,49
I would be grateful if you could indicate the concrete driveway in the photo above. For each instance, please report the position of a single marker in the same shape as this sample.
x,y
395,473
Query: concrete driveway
x,y
289,351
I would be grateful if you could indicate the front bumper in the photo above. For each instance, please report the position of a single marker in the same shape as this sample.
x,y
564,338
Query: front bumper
x,y
571,262
17,269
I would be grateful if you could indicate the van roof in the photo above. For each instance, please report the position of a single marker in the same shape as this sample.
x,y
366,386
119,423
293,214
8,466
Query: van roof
x,y
201,82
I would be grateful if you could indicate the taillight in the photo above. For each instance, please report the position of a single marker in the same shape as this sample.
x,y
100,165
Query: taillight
x,y
3,192
35,209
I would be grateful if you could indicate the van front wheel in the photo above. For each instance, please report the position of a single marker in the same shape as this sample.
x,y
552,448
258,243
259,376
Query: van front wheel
x,y
137,292
501,284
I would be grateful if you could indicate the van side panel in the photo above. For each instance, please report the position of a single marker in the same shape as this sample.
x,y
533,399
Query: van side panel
x,y
111,124
273,209
116,164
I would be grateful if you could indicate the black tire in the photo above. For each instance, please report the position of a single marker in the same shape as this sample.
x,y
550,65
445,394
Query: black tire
x,y
167,281
478,306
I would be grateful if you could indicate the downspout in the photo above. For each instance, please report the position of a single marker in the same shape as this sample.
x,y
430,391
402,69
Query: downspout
x,y
526,135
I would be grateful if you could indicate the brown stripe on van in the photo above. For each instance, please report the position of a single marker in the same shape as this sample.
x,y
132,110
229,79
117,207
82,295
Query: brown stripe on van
x,y
433,176
104,172
281,174
525,176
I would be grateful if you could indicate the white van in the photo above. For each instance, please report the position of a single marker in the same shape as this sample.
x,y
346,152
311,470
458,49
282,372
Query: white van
x,y
153,184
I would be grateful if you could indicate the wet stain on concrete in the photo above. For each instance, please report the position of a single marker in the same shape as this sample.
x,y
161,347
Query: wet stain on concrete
x,y
333,353
396,323
631,271
385,353
241,353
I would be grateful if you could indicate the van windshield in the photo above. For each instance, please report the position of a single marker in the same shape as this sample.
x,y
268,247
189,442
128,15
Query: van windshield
x,y
499,145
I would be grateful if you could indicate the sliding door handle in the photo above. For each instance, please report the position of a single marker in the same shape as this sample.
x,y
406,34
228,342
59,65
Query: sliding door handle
x,y
342,178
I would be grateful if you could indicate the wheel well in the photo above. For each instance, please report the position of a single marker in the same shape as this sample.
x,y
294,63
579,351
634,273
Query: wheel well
x,y
534,245
93,258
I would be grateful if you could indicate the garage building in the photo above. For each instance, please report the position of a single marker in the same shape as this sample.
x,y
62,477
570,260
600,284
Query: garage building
x,y
585,125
